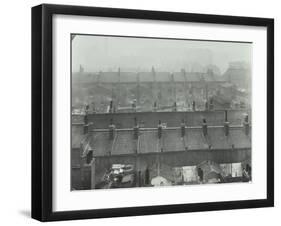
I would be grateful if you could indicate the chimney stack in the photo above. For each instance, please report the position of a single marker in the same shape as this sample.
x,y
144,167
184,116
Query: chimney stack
x,y
155,106
87,108
206,105
94,107
159,129
225,116
136,130
182,128
175,106
211,104
226,124
86,124
205,127
111,106
247,125
111,130
134,105
193,105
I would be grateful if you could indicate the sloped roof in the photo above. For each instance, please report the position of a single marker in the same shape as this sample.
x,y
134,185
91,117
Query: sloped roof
x,y
109,77
217,138
76,135
195,139
239,139
146,77
179,77
171,140
124,143
128,77
149,141
163,76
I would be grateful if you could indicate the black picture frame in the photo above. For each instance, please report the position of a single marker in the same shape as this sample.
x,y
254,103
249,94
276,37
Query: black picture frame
x,y
42,107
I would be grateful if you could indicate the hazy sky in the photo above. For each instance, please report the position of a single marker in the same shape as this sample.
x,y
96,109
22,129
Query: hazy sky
x,y
97,53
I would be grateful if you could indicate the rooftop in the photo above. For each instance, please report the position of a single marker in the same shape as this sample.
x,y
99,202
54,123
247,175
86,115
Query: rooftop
x,y
148,141
132,77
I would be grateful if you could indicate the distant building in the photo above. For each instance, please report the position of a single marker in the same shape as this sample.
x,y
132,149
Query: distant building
x,y
239,74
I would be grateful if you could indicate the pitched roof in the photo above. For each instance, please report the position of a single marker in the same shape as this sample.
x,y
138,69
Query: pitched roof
x,y
146,77
170,141
77,135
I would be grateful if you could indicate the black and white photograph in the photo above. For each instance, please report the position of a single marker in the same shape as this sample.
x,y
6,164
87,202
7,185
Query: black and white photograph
x,y
149,112
146,112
